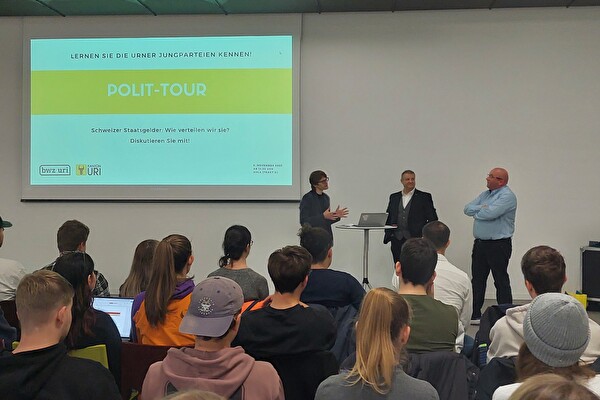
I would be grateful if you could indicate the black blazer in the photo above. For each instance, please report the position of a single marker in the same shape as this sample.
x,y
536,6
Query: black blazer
x,y
421,212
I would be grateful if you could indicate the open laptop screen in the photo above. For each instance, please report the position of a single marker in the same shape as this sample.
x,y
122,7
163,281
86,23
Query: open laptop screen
x,y
119,308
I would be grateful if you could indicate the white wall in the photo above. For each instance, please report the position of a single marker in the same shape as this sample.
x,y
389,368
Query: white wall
x,y
447,94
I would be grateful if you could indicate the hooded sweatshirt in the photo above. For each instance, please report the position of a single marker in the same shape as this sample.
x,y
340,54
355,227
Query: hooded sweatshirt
x,y
506,336
221,372
167,333
49,373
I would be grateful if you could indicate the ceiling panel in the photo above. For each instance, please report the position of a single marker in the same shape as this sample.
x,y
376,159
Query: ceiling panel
x,y
269,6
17,8
356,5
405,5
165,7
97,7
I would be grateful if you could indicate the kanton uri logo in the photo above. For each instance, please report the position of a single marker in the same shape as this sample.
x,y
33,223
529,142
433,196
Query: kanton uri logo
x,y
90,170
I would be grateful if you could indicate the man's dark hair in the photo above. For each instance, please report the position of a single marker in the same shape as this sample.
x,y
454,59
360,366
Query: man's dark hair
x,y
317,241
315,177
544,267
417,260
288,267
437,232
407,171
71,234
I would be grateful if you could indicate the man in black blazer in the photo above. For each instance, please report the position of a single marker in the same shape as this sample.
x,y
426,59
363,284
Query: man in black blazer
x,y
409,210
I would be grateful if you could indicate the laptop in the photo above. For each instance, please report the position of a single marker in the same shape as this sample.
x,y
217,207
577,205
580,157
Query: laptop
x,y
372,220
119,308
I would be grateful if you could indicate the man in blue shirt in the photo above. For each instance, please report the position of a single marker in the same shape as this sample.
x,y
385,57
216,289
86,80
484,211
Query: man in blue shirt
x,y
493,212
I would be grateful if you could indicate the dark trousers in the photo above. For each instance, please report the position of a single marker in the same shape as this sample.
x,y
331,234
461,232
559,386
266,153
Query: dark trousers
x,y
490,255
396,247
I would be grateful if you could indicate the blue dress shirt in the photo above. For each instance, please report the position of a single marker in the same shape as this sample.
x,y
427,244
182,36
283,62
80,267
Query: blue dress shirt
x,y
494,213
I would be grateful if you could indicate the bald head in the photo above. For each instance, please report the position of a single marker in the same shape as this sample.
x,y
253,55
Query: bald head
x,y
497,178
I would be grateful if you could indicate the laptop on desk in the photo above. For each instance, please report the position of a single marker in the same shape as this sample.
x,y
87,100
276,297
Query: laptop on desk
x,y
372,220
119,309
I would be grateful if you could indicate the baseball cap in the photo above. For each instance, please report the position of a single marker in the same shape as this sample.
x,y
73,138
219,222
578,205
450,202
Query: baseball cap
x,y
214,303
4,224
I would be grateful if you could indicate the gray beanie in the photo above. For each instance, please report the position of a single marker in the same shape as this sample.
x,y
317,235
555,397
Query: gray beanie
x,y
556,329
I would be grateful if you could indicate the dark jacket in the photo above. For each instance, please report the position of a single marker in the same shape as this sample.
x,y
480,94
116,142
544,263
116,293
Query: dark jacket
x,y
421,212
49,373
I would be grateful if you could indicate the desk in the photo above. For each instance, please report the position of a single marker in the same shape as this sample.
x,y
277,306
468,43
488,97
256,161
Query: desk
x,y
365,229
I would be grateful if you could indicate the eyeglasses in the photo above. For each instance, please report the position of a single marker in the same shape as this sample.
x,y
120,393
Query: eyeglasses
x,y
495,177
326,179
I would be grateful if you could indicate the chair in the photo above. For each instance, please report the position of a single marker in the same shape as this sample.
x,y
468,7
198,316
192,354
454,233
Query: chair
x,y
135,360
301,374
96,353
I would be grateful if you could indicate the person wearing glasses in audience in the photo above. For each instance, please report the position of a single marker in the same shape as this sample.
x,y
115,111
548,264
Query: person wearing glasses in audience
x,y
494,213
315,208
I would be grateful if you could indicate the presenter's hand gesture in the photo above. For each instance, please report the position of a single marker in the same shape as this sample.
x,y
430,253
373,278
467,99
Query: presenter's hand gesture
x,y
341,212
327,214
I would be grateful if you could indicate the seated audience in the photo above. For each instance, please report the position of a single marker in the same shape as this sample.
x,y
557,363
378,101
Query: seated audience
x,y
544,271
382,331
39,368
7,333
158,311
141,269
89,326
327,287
286,325
213,365
556,331
434,325
552,387
11,271
236,248
72,236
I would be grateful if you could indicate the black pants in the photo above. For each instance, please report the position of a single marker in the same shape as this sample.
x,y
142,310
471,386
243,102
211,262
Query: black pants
x,y
490,255
396,247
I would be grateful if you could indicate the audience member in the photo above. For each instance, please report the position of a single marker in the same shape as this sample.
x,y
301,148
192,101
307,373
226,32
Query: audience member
x,y
286,325
158,311
327,287
452,285
382,332
552,387
89,326
213,365
544,271
141,269
236,248
556,331
434,325
72,236
39,367
11,271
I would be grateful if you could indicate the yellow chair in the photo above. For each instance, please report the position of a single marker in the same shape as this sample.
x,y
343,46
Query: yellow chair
x,y
95,353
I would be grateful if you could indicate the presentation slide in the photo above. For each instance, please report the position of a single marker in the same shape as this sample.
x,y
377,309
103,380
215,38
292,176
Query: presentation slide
x,y
166,111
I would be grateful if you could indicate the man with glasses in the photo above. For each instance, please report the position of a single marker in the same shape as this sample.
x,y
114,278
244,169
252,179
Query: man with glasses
x,y
11,271
494,213
314,206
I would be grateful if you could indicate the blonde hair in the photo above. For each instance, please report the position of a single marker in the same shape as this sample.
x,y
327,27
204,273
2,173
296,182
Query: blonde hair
x,y
552,387
382,316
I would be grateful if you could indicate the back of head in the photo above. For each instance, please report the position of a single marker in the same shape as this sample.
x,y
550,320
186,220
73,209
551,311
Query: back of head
x,y
418,260
315,177
288,267
170,259
438,233
77,268
383,314
38,295
237,238
317,241
71,234
556,331
141,269
552,387
215,303
544,267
